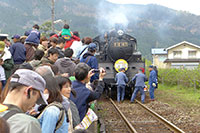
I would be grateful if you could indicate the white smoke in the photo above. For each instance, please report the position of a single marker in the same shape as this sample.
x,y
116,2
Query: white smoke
x,y
109,15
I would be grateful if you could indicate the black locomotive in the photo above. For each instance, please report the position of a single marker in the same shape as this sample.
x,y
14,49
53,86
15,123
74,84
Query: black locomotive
x,y
116,49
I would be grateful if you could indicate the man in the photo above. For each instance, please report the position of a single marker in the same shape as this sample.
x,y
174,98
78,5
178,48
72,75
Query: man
x,y
52,56
152,82
66,65
18,51
60,46
121,80
83,94
91,60
8,63
25,90
139,79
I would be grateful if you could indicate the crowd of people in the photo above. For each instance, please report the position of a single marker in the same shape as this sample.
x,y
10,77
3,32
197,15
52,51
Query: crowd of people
x,y
47,83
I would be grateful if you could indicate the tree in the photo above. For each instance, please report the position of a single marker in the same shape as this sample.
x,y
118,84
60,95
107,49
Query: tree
x,y
45,28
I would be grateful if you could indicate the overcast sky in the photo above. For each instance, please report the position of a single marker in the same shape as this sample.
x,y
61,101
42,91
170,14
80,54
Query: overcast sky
x,y
192,6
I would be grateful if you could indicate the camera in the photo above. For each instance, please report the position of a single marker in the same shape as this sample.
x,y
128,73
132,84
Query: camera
x,y
96,71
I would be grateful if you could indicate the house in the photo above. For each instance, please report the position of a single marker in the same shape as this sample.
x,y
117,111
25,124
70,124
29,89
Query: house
x,y
159,56
181,55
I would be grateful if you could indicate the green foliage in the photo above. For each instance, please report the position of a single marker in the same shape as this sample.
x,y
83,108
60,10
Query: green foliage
x,y
183,78
45,28
147,64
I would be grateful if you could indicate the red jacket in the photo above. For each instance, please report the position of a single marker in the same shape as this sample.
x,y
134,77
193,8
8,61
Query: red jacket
x,y
69,43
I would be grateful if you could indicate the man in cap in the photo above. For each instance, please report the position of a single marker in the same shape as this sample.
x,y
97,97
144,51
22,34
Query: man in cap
x,y
25,90
152,82
121,80
18,51
91,60
139,79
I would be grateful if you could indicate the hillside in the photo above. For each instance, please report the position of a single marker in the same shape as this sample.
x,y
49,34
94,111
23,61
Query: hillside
x,y
152,25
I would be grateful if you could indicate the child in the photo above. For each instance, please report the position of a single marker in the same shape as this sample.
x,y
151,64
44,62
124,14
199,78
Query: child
x,y
66,33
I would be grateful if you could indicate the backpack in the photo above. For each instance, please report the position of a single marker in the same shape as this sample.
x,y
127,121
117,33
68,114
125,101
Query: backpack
x,y
11,111
61,115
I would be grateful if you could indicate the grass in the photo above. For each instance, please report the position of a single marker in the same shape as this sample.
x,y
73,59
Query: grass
x,y
178,95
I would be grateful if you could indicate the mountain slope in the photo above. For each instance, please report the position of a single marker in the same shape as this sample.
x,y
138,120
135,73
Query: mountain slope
x,y
152,25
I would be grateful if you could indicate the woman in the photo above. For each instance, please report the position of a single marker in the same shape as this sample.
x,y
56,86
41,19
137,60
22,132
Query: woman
x,y
65,88
53,118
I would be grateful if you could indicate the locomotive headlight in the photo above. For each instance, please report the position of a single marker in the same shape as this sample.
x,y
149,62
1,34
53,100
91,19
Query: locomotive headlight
x,y
120,32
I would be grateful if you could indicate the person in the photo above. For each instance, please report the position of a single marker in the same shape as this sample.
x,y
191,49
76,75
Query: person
x,y
65,88
52,56
85,42
25,90
53,118
4,127
156,70
121,80
37,59
91,60
152,82
76,46
53,42
8,63
43,44
83,94
66,33
33,34
139,79
66,65
60,46
75,37
18,51
2,71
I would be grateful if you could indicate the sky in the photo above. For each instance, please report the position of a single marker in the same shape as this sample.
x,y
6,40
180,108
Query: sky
x,y
192,6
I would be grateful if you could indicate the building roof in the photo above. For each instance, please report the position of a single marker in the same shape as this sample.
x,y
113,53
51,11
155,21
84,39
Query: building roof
x,y
158,51
181,60
173,46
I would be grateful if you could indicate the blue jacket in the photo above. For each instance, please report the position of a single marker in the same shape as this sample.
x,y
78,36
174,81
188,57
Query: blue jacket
x,y
33,37
18,52
152,77
84,96
121,78
49,120
92,62
140,78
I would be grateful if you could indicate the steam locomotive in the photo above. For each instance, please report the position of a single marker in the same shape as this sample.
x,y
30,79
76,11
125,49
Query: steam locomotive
x,y
115,50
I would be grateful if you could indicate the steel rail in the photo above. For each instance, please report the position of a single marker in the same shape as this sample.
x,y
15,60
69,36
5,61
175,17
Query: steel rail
x,y
162,119
132,129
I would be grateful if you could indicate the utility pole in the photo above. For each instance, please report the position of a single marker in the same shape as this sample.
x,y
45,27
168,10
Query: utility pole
x,y
52,14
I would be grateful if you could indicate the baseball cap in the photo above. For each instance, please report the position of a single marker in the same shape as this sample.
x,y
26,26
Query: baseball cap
x,y
33,79
92,46
2,46
16,36
151,66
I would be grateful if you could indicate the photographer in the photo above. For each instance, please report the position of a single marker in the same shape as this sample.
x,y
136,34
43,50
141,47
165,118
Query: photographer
x,y
83,94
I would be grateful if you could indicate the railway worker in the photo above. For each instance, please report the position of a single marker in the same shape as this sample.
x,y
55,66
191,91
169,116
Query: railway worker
x,y
139,79
121,80
152,82
83,94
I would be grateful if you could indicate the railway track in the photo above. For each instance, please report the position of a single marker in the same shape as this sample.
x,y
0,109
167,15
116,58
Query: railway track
x,y
143,122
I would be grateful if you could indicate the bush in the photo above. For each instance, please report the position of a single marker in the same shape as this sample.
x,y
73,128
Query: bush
x,y
184,77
